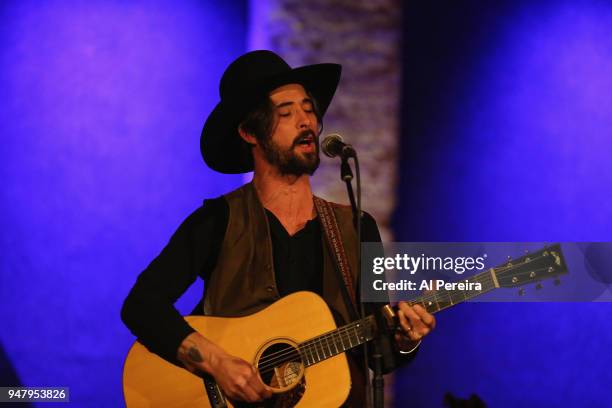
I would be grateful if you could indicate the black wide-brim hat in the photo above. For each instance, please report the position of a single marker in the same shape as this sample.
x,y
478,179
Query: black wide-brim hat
x,y
244,84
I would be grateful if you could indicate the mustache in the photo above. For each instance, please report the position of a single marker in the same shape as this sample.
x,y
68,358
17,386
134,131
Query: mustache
x,y
305,135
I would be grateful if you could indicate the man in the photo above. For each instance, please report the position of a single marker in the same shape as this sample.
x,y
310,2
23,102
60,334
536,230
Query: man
x,y
264,240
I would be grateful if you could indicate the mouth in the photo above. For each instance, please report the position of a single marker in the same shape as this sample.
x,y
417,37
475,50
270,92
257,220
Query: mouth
x,y
307,140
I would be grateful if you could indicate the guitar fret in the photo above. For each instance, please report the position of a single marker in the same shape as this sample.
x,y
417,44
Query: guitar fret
x,y
341,341
305,353
317,350
308,352
436,300
336,343
346,339
323,348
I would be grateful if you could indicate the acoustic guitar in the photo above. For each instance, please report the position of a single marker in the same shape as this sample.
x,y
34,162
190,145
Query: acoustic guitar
x,y
296,347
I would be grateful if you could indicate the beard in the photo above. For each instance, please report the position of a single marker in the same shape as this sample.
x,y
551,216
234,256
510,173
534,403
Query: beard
x,y
288,161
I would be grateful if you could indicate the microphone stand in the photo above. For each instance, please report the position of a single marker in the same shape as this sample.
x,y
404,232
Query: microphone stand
x,y
346,174
377,387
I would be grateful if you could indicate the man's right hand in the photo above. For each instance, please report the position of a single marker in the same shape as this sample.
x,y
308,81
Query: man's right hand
x,y
237,378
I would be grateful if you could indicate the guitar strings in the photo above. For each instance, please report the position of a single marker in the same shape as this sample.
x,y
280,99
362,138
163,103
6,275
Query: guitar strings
x,y
327,335
317,343
344,330
341,334
448,294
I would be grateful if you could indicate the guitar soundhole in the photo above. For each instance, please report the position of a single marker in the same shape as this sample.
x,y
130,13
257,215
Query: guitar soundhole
x,y
280,366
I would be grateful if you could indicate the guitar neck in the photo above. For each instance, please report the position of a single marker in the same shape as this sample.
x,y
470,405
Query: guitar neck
x,y
337,341
472,287
544,264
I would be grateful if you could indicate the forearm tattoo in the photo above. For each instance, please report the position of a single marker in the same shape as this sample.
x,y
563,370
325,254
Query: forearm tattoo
x,y
194,354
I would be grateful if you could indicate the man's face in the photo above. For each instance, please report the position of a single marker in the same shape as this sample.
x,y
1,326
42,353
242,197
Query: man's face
x,y
293,145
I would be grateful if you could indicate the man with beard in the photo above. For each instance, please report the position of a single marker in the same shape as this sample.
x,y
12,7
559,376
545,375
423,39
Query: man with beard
x,y
264,240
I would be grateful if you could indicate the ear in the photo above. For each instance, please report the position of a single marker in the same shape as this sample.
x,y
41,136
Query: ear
x,y
247,137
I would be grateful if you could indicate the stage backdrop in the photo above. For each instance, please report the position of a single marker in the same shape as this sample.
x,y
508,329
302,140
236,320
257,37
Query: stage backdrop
x,y
505,114
506,137
102,107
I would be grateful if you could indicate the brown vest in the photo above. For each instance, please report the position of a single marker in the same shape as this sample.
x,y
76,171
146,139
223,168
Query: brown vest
x,y
243,281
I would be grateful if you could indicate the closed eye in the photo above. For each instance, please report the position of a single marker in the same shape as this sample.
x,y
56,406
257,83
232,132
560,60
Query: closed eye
x,y
307,106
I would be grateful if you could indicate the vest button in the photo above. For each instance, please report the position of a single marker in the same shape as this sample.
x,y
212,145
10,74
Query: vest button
x,y
270,288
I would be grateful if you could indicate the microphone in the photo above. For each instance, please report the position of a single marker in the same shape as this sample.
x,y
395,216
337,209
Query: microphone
x,y
333,145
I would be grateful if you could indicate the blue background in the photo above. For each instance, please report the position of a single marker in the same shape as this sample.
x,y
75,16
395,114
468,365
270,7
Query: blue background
x,y
507,111
102,106
505,137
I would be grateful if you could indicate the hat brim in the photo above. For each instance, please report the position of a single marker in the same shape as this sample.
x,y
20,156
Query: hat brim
x,y
222,147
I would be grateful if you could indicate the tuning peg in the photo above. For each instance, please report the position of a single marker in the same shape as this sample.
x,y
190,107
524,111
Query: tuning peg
x,y
539,286
557,282
521,291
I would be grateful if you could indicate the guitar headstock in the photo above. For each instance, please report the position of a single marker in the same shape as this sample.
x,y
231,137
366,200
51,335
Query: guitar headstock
x,y
533,267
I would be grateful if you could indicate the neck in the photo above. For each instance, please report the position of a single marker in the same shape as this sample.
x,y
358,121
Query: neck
x,y
288,197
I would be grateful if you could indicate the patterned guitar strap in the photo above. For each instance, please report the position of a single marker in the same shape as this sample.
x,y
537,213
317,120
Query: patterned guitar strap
x,y
334,243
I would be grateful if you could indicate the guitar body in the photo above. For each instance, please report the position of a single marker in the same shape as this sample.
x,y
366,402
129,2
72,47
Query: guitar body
x,y
150,381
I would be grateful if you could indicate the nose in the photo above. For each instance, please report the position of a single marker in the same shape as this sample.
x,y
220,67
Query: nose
x,y
304,120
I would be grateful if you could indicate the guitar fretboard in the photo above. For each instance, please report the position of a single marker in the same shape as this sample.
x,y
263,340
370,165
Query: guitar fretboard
x,y
337,341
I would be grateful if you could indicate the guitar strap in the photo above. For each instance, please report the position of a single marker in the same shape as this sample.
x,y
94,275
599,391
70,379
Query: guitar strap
x,y
334,243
